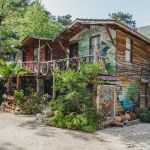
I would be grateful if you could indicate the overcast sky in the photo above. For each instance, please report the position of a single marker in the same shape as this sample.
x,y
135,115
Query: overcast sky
x,y
140,9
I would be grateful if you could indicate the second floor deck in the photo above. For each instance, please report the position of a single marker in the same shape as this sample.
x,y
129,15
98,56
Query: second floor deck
x,y
46,68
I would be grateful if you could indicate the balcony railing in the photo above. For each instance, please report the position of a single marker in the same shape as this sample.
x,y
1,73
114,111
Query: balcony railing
x,y
47,67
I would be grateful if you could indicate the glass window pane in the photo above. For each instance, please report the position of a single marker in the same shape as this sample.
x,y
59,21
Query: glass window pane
x,y
128,56
128,43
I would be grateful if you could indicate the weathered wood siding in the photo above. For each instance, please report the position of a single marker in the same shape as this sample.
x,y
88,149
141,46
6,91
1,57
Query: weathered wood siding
x,y
140,58
139,68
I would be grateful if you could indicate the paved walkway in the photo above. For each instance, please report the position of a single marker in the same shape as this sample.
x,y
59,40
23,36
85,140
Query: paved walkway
x,y
23,133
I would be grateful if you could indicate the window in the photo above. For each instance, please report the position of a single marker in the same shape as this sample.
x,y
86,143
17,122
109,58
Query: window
x,y
128,52
35,54
95,46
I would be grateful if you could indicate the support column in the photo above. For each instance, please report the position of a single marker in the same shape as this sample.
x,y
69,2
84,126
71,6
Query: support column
x,y
54,90
38,70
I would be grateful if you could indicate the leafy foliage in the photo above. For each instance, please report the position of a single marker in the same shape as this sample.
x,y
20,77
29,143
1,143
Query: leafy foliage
x,y
74,104
19,97
125,18
20,18
8,71
144,114
31,104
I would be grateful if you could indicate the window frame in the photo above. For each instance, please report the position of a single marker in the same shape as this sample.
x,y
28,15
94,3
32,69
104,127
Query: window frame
x,y
127,49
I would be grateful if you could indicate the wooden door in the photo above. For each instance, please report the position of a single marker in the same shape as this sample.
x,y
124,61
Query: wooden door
x,y
48,54
73,50
106,98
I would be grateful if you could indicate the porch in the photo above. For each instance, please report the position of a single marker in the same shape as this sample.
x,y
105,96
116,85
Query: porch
x,y
46,68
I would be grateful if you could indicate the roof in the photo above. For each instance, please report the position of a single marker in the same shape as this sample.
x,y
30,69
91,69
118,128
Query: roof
x,y
79,24
33,40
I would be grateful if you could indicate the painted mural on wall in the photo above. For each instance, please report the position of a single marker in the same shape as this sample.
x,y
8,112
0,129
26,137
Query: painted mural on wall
x,y
104,45
105,99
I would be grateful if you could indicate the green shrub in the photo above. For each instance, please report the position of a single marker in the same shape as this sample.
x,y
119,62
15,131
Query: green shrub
x,y
75,101
144,114
31,104
78,122
19,97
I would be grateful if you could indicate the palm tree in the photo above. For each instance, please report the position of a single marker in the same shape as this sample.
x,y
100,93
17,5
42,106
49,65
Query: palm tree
x,y
10,70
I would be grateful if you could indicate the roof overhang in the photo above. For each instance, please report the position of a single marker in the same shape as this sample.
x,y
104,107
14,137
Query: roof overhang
x,y
79,24
32,41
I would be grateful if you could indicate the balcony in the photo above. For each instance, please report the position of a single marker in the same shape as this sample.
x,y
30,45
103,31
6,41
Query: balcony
x,y
46,68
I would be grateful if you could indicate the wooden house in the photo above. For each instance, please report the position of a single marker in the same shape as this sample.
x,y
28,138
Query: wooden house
x,y
125,52
36,54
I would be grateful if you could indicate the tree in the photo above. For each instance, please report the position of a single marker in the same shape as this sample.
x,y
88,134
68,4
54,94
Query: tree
x,y
125,18
65,20
36,22
10,70
8,7
9,10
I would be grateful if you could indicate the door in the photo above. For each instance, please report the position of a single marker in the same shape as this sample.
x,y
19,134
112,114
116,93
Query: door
x,y
73,50
73,54
48,54
94,47
106,98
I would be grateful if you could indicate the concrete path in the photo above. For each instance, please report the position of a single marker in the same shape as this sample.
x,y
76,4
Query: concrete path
x,y
23,133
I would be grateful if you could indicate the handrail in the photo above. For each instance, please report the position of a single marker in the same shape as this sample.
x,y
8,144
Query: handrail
x,y
47,67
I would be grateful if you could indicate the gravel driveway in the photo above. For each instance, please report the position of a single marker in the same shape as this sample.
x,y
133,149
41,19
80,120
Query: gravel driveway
x,y
23,133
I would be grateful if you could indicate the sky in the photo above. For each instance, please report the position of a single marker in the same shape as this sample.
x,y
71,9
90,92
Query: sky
x,y
99,9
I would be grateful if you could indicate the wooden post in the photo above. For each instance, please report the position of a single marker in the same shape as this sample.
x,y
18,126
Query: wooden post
x,y
38,69
54,90
18,83
115,97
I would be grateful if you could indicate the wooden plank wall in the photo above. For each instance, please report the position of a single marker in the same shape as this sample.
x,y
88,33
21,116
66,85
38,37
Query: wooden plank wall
x,y
140,66
140,57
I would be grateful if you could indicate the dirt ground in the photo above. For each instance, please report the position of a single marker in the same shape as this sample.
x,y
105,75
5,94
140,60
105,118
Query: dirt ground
x,y
23,133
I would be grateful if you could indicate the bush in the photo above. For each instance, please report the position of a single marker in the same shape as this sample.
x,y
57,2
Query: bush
x,y
19,97
78,122
74,105
31,104
144,114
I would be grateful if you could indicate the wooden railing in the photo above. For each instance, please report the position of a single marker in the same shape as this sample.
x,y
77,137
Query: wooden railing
x,y
47,67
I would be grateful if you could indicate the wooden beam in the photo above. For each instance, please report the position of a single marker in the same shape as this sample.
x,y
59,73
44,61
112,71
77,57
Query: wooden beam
x,y
109,33
62,47
50,50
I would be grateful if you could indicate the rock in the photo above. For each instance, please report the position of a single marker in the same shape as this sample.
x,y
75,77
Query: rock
x,y
127,117
17,108
13,107
39,117
11,98
13,112
3,104
17,112
7,110
117,119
